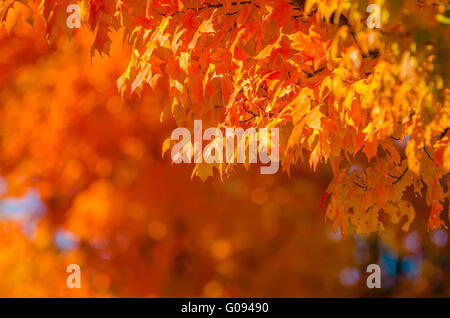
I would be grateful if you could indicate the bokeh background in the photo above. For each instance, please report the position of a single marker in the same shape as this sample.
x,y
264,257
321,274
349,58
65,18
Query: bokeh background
x,y
83,182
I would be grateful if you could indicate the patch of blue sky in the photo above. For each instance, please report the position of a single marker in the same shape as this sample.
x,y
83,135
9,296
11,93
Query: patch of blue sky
x,y
27,210
65,240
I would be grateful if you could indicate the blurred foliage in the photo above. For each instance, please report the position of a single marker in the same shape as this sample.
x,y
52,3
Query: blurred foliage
x,y
84,182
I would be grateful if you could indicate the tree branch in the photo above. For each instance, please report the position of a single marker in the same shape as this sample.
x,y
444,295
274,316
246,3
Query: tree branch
x,y
399,177
425,149
362,187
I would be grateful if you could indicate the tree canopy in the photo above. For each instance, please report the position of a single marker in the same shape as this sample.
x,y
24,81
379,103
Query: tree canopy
x,y
371,102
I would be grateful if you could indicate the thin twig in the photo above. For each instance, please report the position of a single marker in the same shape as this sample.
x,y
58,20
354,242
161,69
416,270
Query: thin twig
x,y
399,177
309,75
425,149
362,187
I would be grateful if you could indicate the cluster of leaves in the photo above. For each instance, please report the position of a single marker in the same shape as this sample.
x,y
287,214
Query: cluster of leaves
x,y
134,224
374,103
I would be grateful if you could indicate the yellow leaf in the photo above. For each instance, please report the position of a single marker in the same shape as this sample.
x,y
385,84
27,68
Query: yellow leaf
x,y
166,145
203,171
